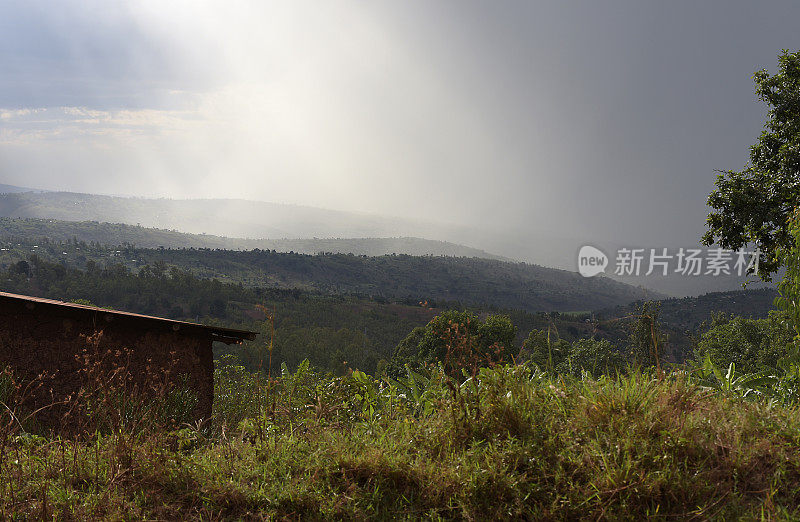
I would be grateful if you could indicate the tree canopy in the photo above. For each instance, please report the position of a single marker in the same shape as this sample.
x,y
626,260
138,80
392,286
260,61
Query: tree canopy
x,y
752,206
460,340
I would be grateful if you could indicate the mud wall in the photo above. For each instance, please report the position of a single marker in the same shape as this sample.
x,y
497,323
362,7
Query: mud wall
x,y
38,340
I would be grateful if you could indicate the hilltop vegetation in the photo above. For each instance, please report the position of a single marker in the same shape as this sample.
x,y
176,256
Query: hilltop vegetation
x,y
471,281
689,313
115,234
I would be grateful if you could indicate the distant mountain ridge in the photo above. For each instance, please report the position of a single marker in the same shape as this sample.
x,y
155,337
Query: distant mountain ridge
x,y
306,229
13,189
689,313
116,234
462,281
222,217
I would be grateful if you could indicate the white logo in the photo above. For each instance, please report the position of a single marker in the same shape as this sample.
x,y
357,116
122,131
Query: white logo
x,y
591,261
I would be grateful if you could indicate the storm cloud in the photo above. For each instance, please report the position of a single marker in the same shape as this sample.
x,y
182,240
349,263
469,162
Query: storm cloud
x,y
523,120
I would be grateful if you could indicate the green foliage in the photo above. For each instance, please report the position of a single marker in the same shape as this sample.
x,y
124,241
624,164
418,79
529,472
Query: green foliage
x,y
731,382
557,356
753,206
433,341
752,345
789,287
497,330
421,389
509,443
597,357
646,340
459,339
236,392
545,349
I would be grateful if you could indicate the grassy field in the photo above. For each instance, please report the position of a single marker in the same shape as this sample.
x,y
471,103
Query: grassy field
x,y
507,443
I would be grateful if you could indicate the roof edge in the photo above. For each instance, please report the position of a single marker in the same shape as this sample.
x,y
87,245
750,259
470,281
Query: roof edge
x,y
225,335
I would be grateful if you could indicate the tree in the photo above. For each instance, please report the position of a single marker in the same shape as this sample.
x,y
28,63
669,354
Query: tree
x,y
596,356
646,341
458,340
751,344
545,349
497,331
20,267
753,206
789,288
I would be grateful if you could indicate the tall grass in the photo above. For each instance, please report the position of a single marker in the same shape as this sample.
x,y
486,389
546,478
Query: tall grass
x,y
503,442
509,442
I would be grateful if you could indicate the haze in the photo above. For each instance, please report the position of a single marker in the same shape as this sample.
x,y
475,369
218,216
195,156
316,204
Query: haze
x,y
596,121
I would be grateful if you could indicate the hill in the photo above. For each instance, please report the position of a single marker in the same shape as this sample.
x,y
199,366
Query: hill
x,y
472,281
689,313
223,217
326,329
469,281
223,221
11,189
115,234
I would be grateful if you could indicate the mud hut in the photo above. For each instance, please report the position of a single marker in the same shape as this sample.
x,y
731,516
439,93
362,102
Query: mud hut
x,y
55,339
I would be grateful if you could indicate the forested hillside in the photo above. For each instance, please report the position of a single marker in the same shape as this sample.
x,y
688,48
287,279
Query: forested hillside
x,y
333,331
689,313
471,281
113,234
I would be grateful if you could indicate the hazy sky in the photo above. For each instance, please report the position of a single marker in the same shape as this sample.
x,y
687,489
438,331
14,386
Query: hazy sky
x,y
583,119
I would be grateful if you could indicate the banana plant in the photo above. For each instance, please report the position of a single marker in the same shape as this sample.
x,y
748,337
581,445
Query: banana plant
x,y
369,394
731,382
417,389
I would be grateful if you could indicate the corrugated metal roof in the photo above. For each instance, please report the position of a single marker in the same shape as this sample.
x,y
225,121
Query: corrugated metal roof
x,y
226,335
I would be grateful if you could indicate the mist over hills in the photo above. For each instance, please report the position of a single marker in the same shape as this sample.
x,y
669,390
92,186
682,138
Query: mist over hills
x,y
12,189
115,234
263,220
243,224
222,217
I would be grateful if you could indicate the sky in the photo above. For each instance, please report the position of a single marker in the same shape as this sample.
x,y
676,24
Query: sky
x,y
563,119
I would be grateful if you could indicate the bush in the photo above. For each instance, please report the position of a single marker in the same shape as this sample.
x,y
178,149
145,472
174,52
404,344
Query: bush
x,y
597,357
753,345
545,349
459,340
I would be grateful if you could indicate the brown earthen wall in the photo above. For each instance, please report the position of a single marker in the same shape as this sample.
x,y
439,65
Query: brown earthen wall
x,y
35,340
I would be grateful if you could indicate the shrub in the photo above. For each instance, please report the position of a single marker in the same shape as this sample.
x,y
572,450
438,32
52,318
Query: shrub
x,y
545,349
459,340
753,345
597,357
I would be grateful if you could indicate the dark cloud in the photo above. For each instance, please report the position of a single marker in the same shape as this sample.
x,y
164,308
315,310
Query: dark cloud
x,y
579,120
